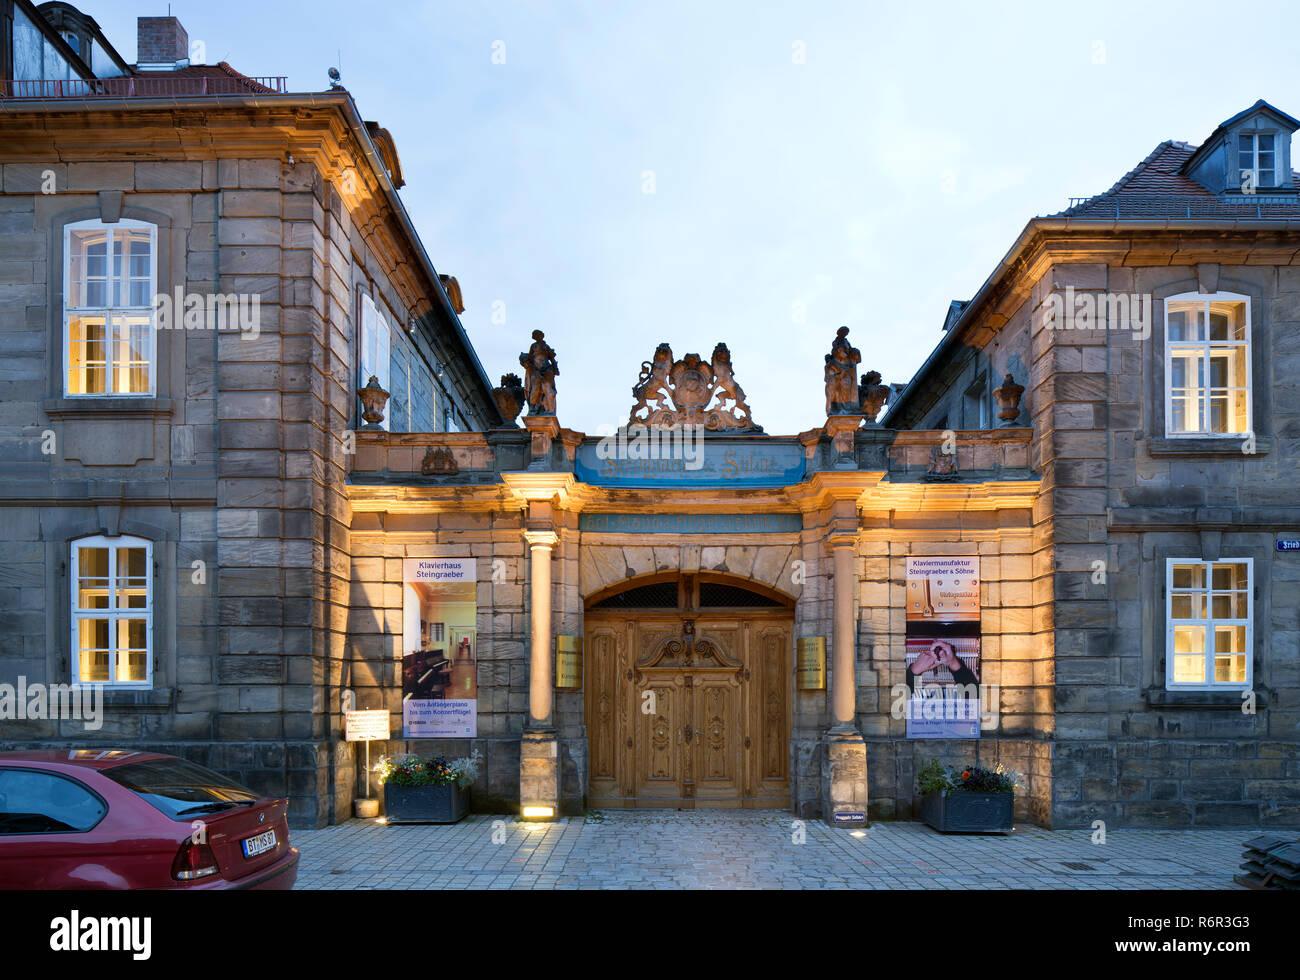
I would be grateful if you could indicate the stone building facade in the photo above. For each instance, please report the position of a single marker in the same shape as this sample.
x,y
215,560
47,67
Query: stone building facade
x,y
256,529
1133,496
211,447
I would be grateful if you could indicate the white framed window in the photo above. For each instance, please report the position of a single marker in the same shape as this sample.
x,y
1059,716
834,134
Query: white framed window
x,y
375,354
1257,156
1209,638
110,279
1207,365
112,611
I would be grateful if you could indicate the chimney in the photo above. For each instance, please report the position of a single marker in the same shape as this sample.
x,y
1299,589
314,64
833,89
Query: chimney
x,y
161,41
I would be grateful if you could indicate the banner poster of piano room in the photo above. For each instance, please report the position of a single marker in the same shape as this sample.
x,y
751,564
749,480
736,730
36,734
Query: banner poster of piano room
x,y
943,647
439,648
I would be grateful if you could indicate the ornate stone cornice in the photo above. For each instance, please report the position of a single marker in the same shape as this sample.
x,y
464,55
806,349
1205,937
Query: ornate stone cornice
x,y
310,128
529,486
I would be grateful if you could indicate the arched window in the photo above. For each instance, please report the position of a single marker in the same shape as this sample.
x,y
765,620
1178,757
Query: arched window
x,y
112,611
110,280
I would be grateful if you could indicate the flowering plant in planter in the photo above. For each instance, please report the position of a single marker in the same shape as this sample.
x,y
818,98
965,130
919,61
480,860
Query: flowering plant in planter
x,y
971,798
936,778
410,770
427,791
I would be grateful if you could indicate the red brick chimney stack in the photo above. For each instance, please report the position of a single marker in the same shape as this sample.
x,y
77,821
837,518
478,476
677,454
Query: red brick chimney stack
x,y
161,41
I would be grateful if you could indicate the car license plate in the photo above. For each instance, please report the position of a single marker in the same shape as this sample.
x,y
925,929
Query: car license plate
x,y
253,846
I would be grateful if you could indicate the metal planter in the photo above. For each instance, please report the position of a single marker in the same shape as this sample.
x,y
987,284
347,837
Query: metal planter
x,y
961,812
425,804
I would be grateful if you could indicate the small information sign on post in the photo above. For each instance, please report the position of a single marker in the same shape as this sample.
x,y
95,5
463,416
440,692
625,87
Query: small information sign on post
x,y
366,726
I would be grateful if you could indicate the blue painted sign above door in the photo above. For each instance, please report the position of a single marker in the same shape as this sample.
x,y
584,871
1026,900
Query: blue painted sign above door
x,y
714,462
690,523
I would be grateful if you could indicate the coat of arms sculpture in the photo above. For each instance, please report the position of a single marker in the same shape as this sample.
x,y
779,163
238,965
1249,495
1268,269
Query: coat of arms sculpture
x,y
691,391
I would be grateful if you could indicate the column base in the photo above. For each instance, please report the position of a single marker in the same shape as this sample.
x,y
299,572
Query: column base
x,y
539,776
844,778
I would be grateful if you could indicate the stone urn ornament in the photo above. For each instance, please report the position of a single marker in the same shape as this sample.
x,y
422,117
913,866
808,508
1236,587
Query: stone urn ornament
x,y
510,398
1008,399
373,399
872,395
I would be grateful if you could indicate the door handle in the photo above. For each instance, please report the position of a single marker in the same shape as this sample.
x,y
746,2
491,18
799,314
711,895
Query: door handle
x,y
690,733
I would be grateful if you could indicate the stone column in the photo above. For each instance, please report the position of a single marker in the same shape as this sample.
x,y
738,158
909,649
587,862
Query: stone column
x,y
539,759
844,769
540,696
843,652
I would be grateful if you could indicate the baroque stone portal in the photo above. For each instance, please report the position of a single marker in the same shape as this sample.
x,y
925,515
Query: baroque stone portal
x,y
691,391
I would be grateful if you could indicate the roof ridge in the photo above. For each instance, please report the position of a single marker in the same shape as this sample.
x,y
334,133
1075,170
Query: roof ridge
x,y
1141,166
233,72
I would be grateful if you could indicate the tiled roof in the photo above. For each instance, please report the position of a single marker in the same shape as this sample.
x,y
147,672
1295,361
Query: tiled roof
x,y
227,79
1156,188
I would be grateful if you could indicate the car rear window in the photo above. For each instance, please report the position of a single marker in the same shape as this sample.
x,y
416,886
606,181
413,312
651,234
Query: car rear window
x,y
181,789
35,802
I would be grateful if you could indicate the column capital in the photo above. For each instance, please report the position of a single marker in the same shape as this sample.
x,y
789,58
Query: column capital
x,y
538,538
842,532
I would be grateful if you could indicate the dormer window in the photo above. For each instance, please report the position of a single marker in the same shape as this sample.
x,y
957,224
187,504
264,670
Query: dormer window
x,y
1257,159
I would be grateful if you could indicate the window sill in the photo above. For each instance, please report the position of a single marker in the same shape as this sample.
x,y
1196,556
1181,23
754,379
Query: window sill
x,y
1206,446
118,408
137,699
1224,700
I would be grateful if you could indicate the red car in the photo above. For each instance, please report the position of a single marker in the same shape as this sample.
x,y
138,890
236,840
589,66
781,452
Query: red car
x,y
92,818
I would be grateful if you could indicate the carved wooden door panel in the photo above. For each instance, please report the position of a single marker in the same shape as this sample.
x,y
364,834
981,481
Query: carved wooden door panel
x,y
768,739
718,747
661,756
684,711
605,713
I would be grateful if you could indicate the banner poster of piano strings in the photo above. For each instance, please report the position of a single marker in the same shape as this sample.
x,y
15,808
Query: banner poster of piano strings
x,y
943,647
439,648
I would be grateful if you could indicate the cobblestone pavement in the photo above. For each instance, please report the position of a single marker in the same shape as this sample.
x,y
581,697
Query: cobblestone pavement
x,y
752,849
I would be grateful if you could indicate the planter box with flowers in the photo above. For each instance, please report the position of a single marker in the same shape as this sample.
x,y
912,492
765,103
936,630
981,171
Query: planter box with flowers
x,y
968,800
427,791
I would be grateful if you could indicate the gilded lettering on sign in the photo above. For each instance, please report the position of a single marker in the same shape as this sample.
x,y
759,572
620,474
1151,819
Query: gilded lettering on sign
x,y
568,663
810,663
690,523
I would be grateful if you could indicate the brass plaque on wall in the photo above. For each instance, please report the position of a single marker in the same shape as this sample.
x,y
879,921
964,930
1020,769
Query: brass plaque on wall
x,y
810,663
568,663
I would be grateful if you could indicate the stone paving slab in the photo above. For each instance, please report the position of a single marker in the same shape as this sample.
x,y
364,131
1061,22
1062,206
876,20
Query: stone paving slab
x,y
752,849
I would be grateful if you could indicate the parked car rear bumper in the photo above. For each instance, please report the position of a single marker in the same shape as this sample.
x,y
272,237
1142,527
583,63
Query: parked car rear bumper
x,y
278,877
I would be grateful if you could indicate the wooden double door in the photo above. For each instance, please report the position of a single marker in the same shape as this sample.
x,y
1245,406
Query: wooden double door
x,y
689,709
